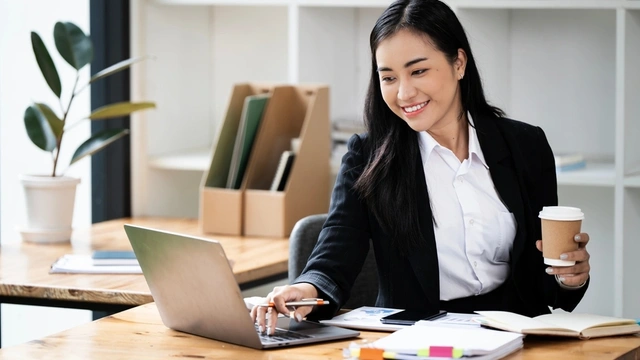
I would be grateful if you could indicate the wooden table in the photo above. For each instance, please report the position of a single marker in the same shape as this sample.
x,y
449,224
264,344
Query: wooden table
x,y
25,278
139,334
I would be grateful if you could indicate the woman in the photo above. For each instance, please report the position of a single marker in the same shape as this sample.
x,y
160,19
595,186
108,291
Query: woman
x,y
447,188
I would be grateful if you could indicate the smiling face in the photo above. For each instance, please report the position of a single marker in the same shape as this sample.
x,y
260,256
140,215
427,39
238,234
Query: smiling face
x,y
418,82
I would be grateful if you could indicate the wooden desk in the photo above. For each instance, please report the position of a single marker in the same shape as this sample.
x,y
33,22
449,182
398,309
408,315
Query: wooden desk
x,y
139,334
25,278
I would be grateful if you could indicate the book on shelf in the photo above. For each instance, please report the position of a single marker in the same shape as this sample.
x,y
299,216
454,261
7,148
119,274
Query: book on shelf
x,y
351,126
283,170
569,161
250,119
343,130
559,324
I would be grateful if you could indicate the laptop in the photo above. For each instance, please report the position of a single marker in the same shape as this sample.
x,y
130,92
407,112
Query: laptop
x,y
196,292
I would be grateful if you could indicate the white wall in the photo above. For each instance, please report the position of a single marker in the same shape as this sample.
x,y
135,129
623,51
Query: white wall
x,y
21,83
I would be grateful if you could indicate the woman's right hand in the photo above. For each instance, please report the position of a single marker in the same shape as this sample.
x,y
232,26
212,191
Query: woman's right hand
x,y
279,296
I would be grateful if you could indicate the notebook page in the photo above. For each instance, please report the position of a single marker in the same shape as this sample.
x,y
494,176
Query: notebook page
x,y
473,341
580,322
516,322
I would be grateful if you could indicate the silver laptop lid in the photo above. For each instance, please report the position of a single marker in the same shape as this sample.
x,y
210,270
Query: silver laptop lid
x,y
193,285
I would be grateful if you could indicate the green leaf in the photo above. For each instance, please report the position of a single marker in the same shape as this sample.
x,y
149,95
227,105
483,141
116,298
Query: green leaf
x,y
119,109
122,65
72,44
38,129
97,142
54,121
47,67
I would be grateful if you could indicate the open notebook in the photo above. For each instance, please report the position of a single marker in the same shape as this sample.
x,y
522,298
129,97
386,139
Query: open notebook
x,y
559,324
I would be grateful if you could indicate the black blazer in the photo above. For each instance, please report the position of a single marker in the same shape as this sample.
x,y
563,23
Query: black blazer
x,y
523,171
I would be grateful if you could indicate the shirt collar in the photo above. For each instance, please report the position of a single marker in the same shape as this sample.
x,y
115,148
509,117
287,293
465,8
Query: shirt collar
x,y
428,143
474,144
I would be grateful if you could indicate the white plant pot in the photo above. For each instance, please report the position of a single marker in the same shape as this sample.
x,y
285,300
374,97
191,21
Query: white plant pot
x,y
50,202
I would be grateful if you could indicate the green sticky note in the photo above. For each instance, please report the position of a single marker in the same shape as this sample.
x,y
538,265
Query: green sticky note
x,y
423,352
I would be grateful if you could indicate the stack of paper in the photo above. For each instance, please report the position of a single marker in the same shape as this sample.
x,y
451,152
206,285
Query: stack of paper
x,y
85,264
422,342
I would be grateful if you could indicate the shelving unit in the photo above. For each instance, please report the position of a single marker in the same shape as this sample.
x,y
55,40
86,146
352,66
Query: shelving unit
x,y
595,174
190,160
568,66
632,181
628,161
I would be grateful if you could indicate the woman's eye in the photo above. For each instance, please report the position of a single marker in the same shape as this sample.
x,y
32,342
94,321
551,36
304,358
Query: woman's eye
x,y
387,79
419,72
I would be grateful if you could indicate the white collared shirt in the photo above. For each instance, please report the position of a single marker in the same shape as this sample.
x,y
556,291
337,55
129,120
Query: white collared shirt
x,y
474,230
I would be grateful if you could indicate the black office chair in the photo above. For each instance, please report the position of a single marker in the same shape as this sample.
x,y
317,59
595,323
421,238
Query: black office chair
x,y
303,239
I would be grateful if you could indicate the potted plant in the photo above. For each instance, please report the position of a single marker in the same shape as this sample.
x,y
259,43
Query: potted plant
x,y
50,198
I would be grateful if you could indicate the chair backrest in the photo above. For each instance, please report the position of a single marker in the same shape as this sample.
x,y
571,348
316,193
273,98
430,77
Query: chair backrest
x,y
303,239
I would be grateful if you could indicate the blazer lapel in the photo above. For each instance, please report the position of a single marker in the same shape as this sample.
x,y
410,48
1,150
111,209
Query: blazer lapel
x,y
503,173
424,260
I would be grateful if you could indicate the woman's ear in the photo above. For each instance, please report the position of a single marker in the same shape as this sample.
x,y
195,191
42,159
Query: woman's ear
x,y
460,64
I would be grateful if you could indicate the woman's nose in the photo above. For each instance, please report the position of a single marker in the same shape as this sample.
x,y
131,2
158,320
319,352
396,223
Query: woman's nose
x,y
406,91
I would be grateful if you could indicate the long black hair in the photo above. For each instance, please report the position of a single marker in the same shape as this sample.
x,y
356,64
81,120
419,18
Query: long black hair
x,y
389,180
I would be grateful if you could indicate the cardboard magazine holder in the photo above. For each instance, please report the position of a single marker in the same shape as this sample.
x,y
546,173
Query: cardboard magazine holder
x,y
300,111
293,111
221,208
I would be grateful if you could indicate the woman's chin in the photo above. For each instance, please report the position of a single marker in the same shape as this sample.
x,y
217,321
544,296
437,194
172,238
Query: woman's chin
x,y
418,125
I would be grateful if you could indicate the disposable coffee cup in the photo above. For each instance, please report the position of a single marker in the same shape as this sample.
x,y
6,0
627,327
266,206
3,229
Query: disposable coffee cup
x,y
559,226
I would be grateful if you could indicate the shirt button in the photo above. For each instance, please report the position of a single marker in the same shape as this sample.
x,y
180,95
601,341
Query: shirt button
x,y
460,179
475,264
471,222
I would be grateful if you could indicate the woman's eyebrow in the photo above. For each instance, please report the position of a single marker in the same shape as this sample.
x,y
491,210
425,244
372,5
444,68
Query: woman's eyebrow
x,y
412,62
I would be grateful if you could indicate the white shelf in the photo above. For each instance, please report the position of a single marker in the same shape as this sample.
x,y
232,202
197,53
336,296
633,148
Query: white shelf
x,y
595,174
632,4
468,4
343,3
191,160
632,181
537,4
313,3
223,2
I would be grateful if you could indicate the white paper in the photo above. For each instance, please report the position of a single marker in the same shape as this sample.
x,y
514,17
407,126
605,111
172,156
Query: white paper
x,y
365,318
83,264
473,341
453,319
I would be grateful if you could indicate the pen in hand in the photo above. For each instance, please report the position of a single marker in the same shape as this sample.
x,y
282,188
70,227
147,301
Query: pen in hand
x,y
303,302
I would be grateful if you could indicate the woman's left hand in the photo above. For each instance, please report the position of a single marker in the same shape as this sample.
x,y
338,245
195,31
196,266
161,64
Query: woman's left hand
x,y
577,274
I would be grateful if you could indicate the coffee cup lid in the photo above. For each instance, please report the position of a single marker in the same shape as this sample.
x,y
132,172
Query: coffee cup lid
x,y
563,213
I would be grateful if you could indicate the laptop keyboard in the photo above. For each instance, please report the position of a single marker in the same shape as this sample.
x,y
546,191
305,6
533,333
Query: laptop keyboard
x,y
280,335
